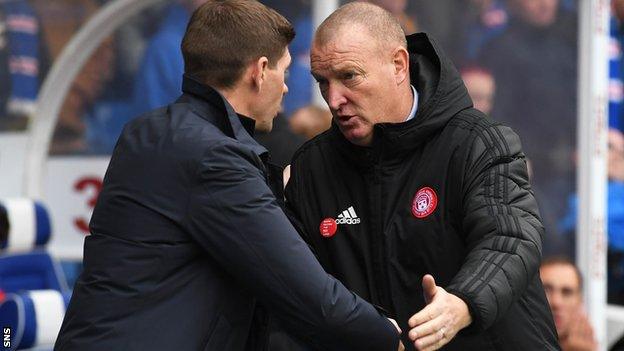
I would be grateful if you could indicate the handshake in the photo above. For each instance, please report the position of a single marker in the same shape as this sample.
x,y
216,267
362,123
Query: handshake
x,y
436,324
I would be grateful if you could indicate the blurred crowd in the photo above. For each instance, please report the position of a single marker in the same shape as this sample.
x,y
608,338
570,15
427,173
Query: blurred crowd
x,y
518,59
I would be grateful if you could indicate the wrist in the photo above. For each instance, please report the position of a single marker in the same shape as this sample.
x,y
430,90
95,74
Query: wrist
x,y
464,318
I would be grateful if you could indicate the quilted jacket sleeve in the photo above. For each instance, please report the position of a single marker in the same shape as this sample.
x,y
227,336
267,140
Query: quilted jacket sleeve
x,y
501,224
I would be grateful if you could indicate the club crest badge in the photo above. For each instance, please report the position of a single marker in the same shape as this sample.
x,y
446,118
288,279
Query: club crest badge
x,y
328,227
425,202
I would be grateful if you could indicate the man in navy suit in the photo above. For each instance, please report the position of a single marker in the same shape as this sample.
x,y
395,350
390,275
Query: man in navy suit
x,y
189,248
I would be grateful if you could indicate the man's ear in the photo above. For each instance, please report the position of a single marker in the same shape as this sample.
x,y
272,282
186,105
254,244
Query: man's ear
x,y
400,60
258,71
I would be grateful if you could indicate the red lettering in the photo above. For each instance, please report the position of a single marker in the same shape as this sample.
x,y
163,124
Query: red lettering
x,y
82,185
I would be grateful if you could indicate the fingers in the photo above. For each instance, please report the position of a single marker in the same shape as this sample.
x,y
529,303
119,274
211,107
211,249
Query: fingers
x,y
428,328
429,287
426,314
401,346
432,341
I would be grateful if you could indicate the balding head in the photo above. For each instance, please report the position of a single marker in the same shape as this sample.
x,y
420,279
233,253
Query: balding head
x,y
381,25
359,58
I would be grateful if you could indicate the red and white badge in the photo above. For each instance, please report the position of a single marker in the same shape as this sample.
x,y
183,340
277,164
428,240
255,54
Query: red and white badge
x,y
425,202
328,227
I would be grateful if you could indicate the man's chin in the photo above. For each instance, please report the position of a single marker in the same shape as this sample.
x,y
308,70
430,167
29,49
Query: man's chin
x,y
264,126
356,137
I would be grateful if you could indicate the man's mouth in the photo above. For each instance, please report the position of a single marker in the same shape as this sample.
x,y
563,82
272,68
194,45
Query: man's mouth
x,y
345,118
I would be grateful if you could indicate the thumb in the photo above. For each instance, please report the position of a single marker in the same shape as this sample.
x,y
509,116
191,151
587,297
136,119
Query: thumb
x,y
429,287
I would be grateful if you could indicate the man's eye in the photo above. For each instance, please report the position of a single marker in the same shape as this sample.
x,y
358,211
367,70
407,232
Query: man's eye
x,y
348,76
321,81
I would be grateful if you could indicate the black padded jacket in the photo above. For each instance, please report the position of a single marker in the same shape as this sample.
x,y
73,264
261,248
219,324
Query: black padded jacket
x,y
446,193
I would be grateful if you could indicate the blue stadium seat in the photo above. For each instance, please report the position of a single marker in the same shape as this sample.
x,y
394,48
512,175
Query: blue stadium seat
x,y
24,264
29,225
36,290
31,271
34,317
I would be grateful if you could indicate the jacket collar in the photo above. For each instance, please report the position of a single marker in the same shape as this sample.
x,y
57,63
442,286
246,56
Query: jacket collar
x,y
241,127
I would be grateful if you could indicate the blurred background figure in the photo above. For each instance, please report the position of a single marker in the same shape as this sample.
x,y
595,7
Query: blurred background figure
x,y
481,87
398,8
60,20
483,21
534,64
309,121
159,80
23,63
615,217
562,283
616,66
72,132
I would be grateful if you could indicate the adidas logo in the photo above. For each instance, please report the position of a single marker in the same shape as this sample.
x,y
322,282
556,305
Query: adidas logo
x,y
348,216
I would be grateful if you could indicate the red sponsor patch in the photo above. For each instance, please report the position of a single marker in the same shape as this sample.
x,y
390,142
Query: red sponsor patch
x,y
328,227
425,202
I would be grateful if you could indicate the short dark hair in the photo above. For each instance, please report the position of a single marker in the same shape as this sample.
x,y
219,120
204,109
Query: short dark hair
x,y
564,261
223,36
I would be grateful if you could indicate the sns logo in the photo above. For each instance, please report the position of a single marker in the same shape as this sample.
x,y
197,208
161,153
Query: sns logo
x,y
329,226
424,203
6,341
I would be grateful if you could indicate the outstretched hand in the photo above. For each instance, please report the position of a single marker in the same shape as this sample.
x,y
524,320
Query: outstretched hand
x,y
443,317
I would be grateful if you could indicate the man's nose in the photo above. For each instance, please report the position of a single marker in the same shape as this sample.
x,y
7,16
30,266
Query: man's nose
x,y
555,300
335,96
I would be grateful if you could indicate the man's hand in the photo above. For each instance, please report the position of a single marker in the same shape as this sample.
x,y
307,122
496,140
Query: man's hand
x,y
443,317
580,337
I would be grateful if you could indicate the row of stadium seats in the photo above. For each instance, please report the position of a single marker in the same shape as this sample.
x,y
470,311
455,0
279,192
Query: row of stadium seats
x,y
33,289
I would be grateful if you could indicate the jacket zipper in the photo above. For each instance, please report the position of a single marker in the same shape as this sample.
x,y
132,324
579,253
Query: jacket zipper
x,y
378,241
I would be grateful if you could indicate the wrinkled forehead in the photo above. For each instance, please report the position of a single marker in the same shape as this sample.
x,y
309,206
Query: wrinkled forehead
x,y
343,50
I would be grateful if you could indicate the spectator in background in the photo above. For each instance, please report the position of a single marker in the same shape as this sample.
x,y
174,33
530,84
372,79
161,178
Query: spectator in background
x,y
616,67
71,133
615,217
398,9
483,21
5,75
481,87
299,80
159,80
310,121
534,63
23,63
563,286
60,20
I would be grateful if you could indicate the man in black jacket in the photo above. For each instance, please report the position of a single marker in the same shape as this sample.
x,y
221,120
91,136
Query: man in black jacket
x,y
410,184
189,248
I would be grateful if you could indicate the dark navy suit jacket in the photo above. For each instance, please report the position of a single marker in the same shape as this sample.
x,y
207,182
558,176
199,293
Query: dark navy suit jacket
x,y
189,246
